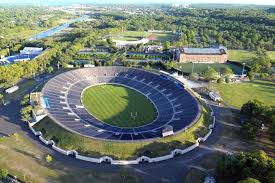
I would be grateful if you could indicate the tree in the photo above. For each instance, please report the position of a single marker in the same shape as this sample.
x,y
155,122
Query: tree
x,y
167,45
49,158
26,113
251,75
210,74
3,173
271,129
219,80
254,114
147,67
50,69
170,65
123,174
1,98
26,100
226,71
249,180
242,165
227,79
109,41
194,76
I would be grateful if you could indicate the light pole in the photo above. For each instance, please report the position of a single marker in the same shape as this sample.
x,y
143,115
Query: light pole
x,y
243,69
192,67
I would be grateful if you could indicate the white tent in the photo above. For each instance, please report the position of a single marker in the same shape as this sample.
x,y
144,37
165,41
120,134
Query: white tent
x,y
12,89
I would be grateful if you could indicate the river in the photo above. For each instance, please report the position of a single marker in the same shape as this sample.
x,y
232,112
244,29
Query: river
x,y
57,29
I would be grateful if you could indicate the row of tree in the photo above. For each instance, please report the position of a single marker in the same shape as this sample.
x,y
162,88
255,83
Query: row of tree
x,y
245,167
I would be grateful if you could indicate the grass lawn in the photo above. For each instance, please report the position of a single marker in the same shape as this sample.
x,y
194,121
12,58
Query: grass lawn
x,y
115,105
23,159
241,55
246,56
201,67
163,37
23,87
239,93
118,150
136,35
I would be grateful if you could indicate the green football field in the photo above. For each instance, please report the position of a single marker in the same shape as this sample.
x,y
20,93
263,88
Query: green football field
x,y
118,105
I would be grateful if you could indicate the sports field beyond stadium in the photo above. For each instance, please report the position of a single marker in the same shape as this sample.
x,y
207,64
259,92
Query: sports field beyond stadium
x,y
118,105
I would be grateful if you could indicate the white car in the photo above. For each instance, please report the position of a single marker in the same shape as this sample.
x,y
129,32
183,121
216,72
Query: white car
x,y
5,103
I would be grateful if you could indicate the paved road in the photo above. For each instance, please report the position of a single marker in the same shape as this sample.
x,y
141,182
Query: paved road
x,y
173,170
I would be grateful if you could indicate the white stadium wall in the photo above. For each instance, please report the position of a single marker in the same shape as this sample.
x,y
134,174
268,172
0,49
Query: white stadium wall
x,y
127,162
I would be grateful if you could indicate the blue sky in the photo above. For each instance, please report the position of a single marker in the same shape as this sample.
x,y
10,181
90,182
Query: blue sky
x,y
51,2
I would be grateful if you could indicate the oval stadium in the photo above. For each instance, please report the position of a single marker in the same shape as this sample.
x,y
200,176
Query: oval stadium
x,y
119,103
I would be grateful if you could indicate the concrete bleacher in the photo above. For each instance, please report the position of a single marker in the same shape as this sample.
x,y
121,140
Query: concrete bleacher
x,y
176,107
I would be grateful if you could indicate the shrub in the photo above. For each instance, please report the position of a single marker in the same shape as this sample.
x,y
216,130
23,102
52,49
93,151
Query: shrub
x,y
26,113
3,173
227,79
194,76
249,180
219,80
264,75
251,76
210,74
49,158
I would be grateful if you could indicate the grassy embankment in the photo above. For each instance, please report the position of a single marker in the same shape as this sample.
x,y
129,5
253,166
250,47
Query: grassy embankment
x,y
98,148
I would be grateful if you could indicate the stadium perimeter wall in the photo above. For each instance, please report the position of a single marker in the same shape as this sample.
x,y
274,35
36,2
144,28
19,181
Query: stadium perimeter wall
x,y
142,159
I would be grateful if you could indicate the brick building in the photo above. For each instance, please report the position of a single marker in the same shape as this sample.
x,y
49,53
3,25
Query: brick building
x,y
202,55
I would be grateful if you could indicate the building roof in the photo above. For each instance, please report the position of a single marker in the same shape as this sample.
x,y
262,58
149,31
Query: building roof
x,y
32,49
167,128
203,51
215,94
12,89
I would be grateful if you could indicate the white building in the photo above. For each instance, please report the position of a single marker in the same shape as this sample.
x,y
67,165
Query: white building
x,y
88,65
38,105
167,131
122,44
12,89
31,50
153,48
215,96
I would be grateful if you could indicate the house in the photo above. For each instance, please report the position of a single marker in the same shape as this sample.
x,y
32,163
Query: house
x,y
202,55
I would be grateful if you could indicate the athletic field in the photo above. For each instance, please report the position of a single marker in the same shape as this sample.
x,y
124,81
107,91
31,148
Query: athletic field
x,y
236,94
201,67
118,105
